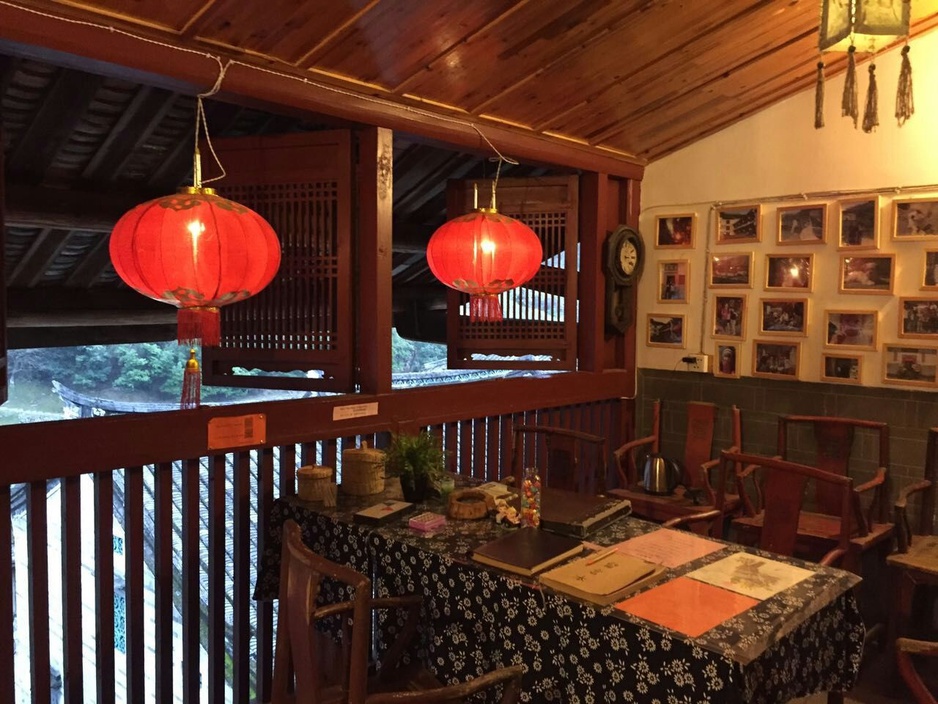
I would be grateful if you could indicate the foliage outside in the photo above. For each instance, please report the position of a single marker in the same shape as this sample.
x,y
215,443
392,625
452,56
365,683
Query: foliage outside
x,y
411,456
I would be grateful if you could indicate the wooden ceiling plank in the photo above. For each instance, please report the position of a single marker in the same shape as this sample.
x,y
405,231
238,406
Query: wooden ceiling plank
x,y
61,109
92,265
38,206
309,58
34,264
136,124
197,20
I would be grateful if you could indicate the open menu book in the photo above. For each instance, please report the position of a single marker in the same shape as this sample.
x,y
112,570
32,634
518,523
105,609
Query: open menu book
x,y
605,580
527,551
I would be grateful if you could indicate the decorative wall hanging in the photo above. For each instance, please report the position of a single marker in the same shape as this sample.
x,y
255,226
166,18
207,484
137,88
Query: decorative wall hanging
x,y
484,254
865,26
197,251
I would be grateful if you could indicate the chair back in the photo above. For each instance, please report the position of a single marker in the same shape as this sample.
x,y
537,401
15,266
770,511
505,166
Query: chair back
x,y
301,574
783,485
833,445
698,442
565,459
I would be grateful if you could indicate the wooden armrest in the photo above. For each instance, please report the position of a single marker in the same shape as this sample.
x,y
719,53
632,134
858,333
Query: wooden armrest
x,y
682,521
917,647
511,676
407,601
874,482
833,558
340,607
633,444
393,654
906,491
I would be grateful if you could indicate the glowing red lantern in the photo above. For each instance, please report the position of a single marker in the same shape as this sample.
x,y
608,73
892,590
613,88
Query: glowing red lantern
x,y
484,253
197,251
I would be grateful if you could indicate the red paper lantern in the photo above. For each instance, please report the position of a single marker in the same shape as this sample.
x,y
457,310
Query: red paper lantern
x,y
484,253
197,251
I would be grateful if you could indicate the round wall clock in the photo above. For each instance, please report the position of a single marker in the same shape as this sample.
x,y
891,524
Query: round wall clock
x,y
622,265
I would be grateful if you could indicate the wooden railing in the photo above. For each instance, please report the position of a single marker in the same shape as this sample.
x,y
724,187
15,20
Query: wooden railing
x,y
193,524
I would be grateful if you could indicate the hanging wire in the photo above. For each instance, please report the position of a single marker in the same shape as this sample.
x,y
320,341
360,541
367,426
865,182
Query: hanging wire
x,y
201,125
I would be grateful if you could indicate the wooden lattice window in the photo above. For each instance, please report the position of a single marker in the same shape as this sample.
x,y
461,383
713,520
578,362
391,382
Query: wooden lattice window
x,y
301,184
539,326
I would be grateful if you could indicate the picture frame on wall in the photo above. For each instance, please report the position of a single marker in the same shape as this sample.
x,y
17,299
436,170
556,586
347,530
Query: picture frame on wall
x,y
739,223
911,366
727,361
918,317
858,224
675,231
850,328
841,368
930,271
783,316
730,270
867,274
673,281
915,218
729,317
665,330
802,224
775,359
789,272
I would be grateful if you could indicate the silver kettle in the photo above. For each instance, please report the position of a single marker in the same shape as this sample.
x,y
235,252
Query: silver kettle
x,y
660,475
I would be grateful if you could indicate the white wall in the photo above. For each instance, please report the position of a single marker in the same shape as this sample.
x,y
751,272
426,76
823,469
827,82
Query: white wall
x,y
773,158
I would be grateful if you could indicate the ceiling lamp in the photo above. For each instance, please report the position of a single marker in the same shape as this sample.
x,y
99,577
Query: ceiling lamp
x,y
197,251
484,254
865,26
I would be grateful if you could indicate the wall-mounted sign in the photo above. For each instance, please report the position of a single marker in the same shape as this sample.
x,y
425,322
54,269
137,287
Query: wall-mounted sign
x,y
237,431
355,410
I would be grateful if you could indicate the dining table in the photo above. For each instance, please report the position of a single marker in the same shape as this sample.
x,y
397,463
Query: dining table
x,y
807,638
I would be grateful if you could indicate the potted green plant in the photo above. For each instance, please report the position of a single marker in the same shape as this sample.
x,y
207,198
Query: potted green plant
x,y
419,462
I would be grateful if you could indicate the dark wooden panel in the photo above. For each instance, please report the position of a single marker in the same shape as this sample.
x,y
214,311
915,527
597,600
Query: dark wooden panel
x,y
135,634
191,582
217,582
165,578
104,586
241,558
7,671
265,609
4,371
37,546
73,662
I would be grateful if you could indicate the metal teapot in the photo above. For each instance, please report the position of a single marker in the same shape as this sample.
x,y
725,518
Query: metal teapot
x,y
660,475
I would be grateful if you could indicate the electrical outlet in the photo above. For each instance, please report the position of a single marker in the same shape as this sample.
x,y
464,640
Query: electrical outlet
x,y
697,363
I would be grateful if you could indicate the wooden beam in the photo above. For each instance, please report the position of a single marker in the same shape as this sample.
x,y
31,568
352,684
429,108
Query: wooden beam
x,y
35,262
61,300
94,263
41,206
82,336
287,85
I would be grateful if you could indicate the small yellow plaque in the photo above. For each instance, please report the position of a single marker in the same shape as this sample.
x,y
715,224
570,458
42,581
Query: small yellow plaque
x,y
237,431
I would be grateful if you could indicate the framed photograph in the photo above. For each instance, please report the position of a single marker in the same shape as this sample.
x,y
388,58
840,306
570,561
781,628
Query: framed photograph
x,y
867,274
673,281
741,223
665,330
675,231
729,317
802,224
731,270
918,317
841,368
912,366
727,361
788,272
850,328
783,316
914,219
930,275
775,359
859,224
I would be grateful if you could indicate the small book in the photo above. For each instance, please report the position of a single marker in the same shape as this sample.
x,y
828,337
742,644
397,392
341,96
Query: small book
x,y
384,512
603,578
580,515
527,551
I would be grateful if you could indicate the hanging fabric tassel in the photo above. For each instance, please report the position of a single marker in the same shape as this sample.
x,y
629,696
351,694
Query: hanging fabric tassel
x,y
819,97
191,383
905,105
849,105
871,112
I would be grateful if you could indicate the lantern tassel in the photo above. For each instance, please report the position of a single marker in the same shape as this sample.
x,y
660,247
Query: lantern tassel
x,y
191,383
484,307
819,97
905,105
848,104
198,324
871,112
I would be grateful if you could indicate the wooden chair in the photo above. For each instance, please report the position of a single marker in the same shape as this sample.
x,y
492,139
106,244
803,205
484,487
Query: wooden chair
x,y
906,650
344,678
565,459
700,492
915,562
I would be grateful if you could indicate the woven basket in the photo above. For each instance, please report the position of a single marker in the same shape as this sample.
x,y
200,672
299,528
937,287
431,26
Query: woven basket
x,y
312,481
362,471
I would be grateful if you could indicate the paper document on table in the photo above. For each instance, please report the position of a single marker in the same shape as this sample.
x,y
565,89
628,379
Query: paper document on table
x,y
687,606
671,548
754,576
